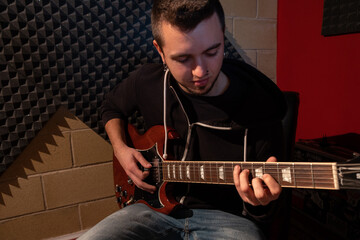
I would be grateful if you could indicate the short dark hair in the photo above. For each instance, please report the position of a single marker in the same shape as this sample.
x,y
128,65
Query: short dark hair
x,y
184,14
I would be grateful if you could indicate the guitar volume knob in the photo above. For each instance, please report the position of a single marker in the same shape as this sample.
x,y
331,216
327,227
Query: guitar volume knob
x,y
118,188
130,182
124,193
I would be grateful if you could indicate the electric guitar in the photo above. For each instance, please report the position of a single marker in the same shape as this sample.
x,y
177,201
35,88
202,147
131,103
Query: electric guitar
x,y
315,175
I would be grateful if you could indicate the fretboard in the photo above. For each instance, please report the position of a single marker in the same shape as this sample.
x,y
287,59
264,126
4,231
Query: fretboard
x,y
292,175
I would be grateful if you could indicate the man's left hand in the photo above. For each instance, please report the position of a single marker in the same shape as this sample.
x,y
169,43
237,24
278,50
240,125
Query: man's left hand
x,y
260,191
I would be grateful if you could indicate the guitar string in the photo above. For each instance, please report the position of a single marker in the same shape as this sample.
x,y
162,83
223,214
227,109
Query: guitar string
x,y
276,169
251,167
228,177
226,164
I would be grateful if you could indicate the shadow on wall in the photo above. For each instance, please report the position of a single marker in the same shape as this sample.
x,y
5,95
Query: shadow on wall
x,y
42,154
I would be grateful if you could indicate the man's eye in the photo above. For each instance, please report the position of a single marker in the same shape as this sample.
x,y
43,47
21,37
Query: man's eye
x,y
182,59
212,53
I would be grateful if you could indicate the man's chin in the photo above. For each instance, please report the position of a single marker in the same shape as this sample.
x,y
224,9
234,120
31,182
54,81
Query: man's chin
x,y
200,91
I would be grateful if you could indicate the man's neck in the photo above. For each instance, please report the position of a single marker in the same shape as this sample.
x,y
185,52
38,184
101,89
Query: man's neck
x,y
220,85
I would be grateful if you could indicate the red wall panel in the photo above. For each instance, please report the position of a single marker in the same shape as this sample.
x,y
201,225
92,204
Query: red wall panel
x,y
324,70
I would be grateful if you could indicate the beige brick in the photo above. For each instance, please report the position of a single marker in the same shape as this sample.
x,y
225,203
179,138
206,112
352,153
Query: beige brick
x,y
267,8
255,34
93,212
21,196
78,185
240,8
62,120
267,63
229,24
250,57
90,148
44,153
43,225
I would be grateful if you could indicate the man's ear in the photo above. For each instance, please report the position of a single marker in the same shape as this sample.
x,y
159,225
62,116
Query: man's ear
x,y
158,48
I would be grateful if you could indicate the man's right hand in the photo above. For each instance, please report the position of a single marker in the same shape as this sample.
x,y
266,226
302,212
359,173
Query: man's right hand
x,y
129,159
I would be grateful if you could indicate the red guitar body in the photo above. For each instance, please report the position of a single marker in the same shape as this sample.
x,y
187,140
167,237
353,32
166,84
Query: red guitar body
x,y
151,145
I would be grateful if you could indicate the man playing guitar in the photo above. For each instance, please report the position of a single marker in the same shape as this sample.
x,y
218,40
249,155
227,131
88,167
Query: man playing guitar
x,y
222,110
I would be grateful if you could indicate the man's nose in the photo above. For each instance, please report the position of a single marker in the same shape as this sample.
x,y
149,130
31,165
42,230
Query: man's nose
x,y
200,69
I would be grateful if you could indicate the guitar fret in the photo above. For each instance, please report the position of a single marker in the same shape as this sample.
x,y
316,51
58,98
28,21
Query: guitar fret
x,y
174,171
188,175
191,172
232,168
202,172
216,172
294,176
264,168
198,174
230,179
168,171
210,172
224,169
231,175
228,170
259,172
183,168
286,174
180,172
252,169
312,175
195,169
207,172
221,173
325,178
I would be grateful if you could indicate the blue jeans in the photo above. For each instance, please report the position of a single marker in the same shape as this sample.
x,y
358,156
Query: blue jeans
x,y
138,221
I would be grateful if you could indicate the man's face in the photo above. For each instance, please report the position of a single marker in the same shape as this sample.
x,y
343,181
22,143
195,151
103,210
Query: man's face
x,y
194,58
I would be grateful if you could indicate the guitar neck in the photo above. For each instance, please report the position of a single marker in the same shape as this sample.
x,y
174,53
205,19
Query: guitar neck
x,y
292,175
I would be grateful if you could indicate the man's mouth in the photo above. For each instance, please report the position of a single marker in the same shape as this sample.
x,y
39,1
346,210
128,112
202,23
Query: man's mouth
x,y
201,82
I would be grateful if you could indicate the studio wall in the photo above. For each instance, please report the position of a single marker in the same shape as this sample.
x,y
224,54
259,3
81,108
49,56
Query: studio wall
x,y
324,70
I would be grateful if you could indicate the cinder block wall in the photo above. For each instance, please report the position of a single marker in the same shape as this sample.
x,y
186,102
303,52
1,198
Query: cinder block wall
x,y
62,182
252,26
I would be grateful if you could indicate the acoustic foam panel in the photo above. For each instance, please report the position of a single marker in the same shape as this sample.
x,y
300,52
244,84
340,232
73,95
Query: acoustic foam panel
x,y
341,17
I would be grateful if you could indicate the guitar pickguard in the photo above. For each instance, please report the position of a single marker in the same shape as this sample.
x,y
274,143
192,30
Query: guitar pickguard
x,y
154,178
